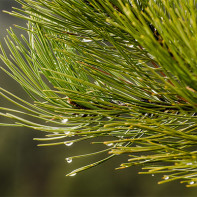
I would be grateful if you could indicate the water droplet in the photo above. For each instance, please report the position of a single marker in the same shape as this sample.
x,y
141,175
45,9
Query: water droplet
x,y
192,182
68,143
153,175
86,40
130,46
69,160
73,174
110,144
64,121
166,178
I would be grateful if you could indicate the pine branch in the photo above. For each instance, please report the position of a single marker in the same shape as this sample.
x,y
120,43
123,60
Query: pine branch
x,y
122,69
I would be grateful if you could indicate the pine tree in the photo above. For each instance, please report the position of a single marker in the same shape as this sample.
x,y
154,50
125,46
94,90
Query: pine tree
x,y
122,70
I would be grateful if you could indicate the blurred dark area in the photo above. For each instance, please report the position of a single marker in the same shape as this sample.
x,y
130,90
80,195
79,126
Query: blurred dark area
x,y
29,171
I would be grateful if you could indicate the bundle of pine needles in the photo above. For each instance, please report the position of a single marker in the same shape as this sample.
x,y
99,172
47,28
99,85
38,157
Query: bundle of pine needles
x,y
123,69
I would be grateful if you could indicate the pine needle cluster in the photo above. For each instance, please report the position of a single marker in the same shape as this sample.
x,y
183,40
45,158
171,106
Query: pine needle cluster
x,y
125,70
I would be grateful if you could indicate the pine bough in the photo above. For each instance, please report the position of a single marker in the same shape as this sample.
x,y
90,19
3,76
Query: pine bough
x,y
122,70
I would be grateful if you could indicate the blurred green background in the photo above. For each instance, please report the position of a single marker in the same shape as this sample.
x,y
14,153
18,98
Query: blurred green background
x,y
27,170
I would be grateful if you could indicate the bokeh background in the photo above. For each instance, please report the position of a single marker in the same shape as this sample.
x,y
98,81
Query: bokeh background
x,y
27,170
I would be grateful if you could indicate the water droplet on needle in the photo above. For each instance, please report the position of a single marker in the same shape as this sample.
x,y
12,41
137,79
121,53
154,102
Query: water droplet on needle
x,y
68,143
64,121
110,144
69,160
73,174
166,178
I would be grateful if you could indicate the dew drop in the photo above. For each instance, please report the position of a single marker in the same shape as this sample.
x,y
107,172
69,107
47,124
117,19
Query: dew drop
x,y
110,144
69,160
73,174
191,183
86,40
153,175
64,120
68,143
130,46
166,178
